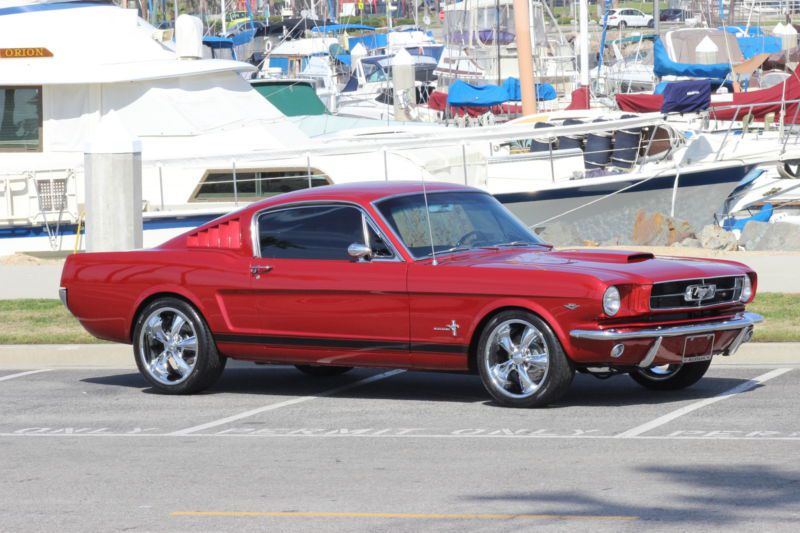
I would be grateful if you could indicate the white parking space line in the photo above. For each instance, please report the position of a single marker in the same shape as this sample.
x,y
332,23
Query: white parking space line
x,y
295,401
669,417
22,374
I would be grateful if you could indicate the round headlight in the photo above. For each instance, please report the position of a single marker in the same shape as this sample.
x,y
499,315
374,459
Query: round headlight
x,y
747,289
611,301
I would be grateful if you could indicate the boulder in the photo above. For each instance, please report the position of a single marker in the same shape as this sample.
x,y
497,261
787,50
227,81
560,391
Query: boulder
x,y
753,233
766,236
715,238
658,229
561,234
689,242
613,241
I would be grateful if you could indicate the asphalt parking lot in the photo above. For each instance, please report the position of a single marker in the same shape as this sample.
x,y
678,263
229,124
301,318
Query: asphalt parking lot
x,y
272,449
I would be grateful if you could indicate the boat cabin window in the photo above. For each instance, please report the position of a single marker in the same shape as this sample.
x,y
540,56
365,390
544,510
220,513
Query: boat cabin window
x,y
20,119
249,185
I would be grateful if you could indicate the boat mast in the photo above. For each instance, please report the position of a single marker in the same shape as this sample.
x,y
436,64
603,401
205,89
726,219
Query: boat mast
x,y
522,28
497,38
583,40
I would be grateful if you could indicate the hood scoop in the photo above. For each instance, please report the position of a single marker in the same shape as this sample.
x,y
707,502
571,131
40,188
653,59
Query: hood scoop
x,y
605,256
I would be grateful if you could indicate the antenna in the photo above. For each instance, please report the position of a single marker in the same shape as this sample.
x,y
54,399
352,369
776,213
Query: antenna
x,y
428,218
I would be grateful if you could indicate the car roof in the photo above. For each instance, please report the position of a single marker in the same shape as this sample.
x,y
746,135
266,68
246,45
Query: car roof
x,y
362,192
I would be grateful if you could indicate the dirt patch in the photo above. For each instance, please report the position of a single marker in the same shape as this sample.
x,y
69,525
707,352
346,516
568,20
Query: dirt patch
x,y
27,260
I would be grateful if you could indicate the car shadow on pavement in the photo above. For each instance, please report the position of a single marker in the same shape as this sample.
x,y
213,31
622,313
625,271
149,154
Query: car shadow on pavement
x,y
680,495
428,386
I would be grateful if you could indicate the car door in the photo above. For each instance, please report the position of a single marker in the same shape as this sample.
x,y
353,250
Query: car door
x,y
314,302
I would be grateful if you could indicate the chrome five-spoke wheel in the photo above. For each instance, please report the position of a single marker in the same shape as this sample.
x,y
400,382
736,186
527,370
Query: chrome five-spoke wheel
x,y
517,357
168,346
521,362
174,348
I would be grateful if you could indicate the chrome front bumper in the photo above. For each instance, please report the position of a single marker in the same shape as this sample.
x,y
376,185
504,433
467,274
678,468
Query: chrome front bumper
x,y
743,322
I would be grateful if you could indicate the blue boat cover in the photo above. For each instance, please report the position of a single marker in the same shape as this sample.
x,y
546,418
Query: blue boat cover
x,y
664,66
464,94
370,41
334,28
686,96
762,216
753,31
752,46
229,42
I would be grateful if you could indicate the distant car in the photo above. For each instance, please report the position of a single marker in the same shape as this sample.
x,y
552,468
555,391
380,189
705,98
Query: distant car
x,y
674,15
244,26
623,18
402,274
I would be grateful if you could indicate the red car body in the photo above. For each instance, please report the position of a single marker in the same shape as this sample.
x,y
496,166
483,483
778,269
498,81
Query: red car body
x,y
414,313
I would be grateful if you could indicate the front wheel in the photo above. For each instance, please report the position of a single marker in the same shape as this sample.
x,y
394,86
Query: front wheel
x,y
174,348
670,377
521,361
651,24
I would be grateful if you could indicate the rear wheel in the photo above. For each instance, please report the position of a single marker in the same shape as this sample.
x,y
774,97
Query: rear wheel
x,y
621,25
521,361
670,377
174,348
651,23
323,371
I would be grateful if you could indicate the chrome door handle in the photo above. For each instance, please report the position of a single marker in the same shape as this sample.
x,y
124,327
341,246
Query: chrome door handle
x,y
257,270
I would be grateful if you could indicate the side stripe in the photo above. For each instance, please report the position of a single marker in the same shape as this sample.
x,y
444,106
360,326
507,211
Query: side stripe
x,y
342,343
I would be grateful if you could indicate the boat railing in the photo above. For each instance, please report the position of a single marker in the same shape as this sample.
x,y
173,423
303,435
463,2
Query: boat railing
x,y
743,121
41,198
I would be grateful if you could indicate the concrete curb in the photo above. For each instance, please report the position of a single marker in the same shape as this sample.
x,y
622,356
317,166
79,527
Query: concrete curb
x,y
120,356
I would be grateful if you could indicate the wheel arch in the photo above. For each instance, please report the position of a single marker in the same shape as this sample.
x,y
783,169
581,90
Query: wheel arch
x,y
146,300
488,314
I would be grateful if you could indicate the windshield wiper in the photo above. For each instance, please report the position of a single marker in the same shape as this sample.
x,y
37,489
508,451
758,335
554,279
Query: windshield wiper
x,y
450,250
514,243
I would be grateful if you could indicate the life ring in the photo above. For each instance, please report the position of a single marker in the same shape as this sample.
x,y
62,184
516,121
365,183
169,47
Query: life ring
x,y
789,169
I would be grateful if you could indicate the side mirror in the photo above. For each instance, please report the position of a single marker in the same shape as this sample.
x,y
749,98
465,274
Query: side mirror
x,y
359,251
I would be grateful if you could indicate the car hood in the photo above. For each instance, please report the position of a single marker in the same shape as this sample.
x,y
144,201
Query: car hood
x,y
611,266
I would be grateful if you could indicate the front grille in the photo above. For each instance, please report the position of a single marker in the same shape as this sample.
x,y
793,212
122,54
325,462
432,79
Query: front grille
x,y
673,294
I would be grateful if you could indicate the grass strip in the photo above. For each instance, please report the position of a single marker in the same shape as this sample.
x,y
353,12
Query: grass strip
x,y
48,322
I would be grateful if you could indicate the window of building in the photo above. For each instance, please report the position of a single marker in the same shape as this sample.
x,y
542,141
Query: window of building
x,y
20,119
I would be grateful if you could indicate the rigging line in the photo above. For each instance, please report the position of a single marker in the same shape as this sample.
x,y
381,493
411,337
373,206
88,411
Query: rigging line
x,y
609,195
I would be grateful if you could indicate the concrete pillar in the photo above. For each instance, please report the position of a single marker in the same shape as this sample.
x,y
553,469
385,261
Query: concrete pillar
x,y
405,94
113,180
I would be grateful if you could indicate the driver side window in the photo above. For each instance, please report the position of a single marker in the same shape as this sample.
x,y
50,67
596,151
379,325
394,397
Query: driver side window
x,y
317,232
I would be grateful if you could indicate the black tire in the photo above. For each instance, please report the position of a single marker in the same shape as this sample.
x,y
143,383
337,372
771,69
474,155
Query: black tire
x,y
206,362
323,371
553,381
622,25
651,24
678,377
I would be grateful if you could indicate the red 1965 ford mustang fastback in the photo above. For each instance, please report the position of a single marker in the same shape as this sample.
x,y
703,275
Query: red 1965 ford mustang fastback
x,y
436,277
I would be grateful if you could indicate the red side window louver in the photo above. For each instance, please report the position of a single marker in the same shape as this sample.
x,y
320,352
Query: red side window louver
x,y
224,235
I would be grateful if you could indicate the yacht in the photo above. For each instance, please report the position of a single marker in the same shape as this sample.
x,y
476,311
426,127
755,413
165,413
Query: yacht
x,y
210,142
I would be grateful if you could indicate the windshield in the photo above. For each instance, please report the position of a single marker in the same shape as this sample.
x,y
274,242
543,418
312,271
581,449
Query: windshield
x,y
459,221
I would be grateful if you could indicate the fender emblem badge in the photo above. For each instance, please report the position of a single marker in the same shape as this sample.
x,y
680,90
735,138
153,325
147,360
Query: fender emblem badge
x,y
452,326
571,307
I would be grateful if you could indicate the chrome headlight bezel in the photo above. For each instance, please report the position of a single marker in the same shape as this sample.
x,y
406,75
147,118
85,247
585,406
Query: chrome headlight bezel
x,y
612,302
747,290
